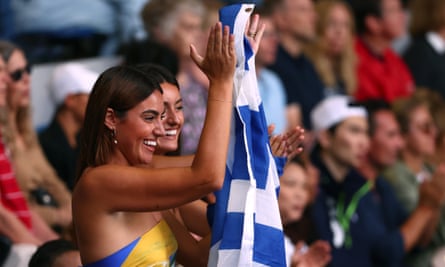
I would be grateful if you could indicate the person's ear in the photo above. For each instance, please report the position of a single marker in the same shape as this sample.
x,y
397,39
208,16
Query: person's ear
x,y
324,139
110,119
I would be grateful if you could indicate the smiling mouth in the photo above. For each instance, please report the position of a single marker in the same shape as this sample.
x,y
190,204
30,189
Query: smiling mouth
x,y
150,143
171,132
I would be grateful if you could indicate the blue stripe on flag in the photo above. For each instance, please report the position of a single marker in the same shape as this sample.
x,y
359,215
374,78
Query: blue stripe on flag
x,y
266,239
228,16
245,220
255,123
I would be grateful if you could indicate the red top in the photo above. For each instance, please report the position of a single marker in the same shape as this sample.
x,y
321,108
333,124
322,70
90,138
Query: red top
x,y
11,196
383,77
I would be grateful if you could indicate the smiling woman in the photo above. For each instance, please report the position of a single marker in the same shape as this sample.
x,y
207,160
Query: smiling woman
x,y
174,117
116,202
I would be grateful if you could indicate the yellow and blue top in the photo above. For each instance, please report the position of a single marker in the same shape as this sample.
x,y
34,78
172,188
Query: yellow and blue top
x,y
156,248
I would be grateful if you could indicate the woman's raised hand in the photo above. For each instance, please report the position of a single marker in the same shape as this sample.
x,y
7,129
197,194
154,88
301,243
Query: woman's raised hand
x,y
254,32
220,58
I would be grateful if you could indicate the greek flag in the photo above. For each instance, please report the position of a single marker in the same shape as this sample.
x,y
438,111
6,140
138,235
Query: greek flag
x,y
246,224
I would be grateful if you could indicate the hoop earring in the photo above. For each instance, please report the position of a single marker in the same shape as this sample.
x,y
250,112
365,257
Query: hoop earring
x,y
113,135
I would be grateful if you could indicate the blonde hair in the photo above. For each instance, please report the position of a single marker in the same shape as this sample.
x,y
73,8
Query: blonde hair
x,y
24,128
427,15
316,51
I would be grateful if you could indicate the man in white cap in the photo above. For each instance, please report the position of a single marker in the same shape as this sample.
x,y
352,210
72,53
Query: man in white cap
x,y
71,86
347,212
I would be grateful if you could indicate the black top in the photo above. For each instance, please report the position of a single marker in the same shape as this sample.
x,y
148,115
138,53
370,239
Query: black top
x,y
59,153
301,81
426,64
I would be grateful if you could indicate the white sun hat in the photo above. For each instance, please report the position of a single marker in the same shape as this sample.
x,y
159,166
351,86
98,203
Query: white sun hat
x,y
71,78
333,110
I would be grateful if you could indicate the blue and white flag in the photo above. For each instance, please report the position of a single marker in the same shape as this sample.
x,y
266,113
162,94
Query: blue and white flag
x,y
246,224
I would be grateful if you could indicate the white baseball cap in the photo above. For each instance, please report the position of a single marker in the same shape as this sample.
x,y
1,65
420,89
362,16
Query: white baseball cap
x,y
333,110
71,78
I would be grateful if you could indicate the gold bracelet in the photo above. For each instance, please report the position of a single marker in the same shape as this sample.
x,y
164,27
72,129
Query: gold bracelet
x,y
219,100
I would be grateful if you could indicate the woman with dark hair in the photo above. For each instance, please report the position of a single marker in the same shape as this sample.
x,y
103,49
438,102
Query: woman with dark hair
x,y
191,217
116,202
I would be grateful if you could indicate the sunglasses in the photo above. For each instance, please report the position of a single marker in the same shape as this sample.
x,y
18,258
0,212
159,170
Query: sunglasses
x,y
18,74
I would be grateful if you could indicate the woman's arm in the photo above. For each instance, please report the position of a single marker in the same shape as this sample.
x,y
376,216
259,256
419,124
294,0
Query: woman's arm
x,y
124,188
191,251
194,217
14,229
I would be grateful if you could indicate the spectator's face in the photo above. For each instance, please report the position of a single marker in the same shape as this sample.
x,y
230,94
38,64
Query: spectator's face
x,y
293,193
188,31
299,17
386,141
173,121
393,19
19,88
338,30
77,103
267,49
138,131
4,79
422,132
350,142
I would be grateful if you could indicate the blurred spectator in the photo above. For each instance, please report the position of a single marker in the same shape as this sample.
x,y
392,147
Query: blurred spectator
x,y
64,29
382,74
20,230
426,54
438,111
71,86
271,88
332,52
412,170
293,198
295,23
303,229
386,144
56,253
345,212
44,191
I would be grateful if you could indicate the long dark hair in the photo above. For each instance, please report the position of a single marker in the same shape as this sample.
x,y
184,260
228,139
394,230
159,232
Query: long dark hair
x,y
120,88
158,73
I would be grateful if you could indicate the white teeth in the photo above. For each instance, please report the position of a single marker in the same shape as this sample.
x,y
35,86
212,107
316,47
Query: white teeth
x,y
171,132
149,143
